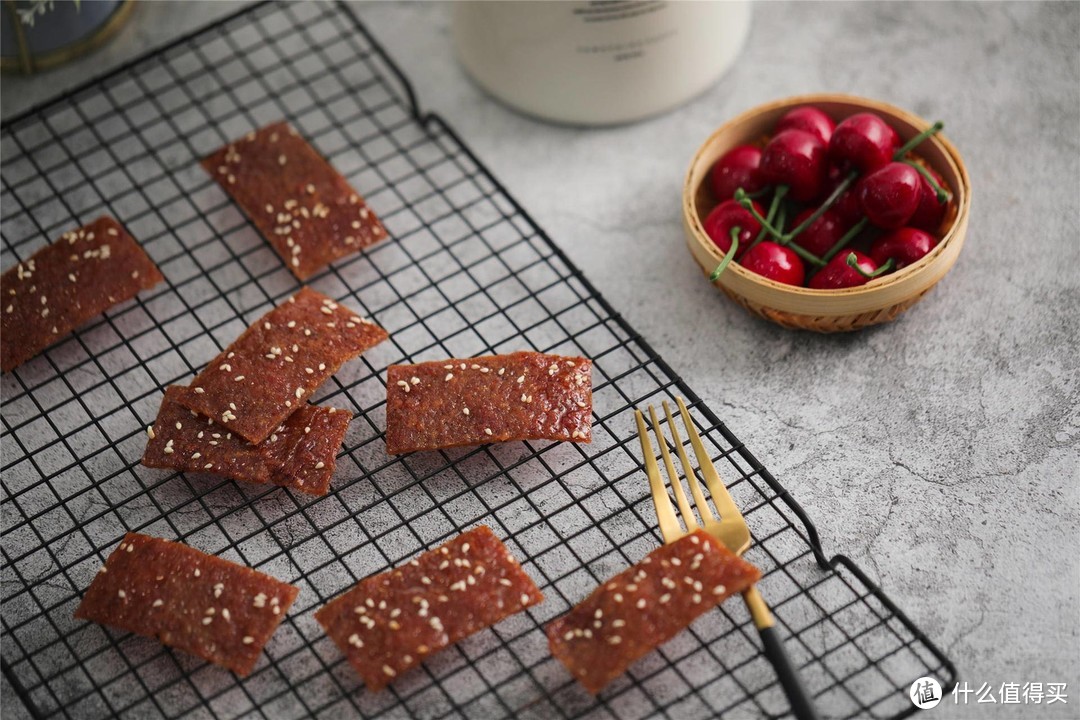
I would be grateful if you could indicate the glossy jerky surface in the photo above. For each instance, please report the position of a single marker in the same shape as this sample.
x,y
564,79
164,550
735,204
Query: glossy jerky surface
x,y
297,200
645,606
300,454
276,364
64,284
496,398
388,623
213,608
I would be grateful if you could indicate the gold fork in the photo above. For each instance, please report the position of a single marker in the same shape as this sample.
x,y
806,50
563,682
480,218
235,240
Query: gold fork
x,y
730,528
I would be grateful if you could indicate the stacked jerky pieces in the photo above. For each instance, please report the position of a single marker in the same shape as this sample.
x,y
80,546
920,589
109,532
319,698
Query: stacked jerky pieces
x,y
245,416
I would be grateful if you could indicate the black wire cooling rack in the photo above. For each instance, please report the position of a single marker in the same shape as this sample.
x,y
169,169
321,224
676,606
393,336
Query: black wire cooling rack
x,y
467,272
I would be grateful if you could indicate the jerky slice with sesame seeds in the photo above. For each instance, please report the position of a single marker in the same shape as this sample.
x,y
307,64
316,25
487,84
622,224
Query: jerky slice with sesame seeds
x,y
388,623
268,373
213,608
299,454
645,606
64,284
297,200
496,398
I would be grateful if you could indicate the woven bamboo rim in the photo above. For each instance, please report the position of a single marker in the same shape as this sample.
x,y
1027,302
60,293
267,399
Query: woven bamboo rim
x,y
880,300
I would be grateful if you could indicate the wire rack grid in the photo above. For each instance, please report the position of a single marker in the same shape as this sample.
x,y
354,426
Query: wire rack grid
x,y
467,272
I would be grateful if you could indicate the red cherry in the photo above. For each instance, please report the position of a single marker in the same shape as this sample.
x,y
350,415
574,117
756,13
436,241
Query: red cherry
x,y
929,213
775,262
797,159
864,141
820,235
838,274
905,246
738,168
725,216
810,119
890,194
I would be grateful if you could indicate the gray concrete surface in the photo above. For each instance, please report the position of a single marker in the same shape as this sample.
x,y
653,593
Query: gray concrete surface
x,y
940,452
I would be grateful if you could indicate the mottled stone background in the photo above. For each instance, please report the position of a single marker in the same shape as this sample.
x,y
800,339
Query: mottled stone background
x,y
940,452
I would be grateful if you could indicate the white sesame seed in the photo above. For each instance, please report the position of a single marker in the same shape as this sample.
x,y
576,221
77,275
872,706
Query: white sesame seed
x,y
465,411
158,603
618,623
207,620
388,670
487,431
617,597
150,432
614,639
121,593
641,604
248,640
719,590
664,598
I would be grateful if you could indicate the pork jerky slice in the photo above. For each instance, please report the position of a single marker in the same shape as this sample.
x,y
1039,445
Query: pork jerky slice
x,y
300,454
496,398
305,208
213,608
276,364
64,284
645,606
388,623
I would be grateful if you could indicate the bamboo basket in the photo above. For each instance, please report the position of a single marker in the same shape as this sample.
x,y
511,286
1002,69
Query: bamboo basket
x,y
826,311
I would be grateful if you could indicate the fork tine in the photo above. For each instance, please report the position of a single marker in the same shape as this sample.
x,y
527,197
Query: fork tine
x,y
720,495
691,478
665,513
680,496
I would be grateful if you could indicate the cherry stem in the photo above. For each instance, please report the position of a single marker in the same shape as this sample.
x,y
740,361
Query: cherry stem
x,y
917,140
730,254
939,192
759,193
747,204
778,235
829,202
780,192
853,262
804,254
845,239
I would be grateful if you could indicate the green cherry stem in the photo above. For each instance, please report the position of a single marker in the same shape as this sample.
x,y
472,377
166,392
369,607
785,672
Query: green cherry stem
x,y
744,200
942,196
845,239
917,140
777,197
730,254
853,263
780,237
829,202
804,254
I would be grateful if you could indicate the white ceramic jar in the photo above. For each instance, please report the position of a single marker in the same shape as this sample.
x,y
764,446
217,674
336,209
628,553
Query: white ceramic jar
x,y
598,63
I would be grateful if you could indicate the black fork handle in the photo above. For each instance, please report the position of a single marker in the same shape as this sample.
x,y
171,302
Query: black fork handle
x,y
800,702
